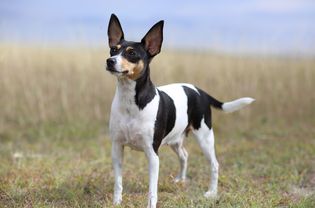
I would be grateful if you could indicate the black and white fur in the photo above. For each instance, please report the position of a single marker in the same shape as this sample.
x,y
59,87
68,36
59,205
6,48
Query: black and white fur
x,y
145,117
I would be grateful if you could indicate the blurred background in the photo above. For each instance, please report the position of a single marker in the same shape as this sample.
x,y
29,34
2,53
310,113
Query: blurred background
x,y
55,98
280,26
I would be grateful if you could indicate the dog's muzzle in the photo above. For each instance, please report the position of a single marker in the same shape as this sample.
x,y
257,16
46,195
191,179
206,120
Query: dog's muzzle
x,y
111,66
111,62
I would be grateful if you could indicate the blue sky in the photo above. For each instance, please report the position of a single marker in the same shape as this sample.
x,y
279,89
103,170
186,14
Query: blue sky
x,y
278,26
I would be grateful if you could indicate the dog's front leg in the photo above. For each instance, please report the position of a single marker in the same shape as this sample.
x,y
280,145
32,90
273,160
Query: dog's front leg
x,y
117,157
153,159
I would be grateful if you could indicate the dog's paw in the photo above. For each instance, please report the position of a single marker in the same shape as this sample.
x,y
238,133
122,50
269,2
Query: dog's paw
x,y
210,194
180,179
117,201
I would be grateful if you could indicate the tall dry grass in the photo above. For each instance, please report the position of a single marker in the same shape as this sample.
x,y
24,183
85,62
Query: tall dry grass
x,y
54,106
56,85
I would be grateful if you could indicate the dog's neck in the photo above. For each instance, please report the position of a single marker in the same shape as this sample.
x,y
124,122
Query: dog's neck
x,y
139,92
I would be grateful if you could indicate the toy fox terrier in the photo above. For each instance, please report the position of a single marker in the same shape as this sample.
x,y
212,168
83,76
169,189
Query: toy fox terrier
x,y
145,117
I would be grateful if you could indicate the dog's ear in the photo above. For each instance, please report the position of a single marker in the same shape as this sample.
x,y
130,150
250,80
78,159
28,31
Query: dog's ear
x,y
114,32
152,41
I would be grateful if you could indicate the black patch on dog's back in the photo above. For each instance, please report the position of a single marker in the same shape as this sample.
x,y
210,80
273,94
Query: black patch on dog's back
x,y
198,107
165,119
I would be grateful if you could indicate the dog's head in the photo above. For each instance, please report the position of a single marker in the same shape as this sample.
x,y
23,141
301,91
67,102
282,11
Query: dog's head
x,y
130,59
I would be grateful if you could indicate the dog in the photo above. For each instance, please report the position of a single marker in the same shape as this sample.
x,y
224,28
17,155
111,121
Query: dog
x,y
146,117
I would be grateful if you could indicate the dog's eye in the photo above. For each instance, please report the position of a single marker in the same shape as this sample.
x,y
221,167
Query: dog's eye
x,y
131,53
114,49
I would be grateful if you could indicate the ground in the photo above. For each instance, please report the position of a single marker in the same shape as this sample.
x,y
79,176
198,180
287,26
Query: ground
x,y
55,148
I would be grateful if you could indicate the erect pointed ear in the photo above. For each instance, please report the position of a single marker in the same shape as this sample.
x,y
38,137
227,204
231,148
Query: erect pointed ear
x,y
152,41
114,32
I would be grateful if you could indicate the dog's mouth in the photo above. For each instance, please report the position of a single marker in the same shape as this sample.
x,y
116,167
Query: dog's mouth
x,y
114,71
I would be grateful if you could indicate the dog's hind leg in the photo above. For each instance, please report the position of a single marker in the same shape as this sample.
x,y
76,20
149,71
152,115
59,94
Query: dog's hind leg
x,y
182,154
205,138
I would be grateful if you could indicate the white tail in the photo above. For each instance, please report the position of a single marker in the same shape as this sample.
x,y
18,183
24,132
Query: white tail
x,y
236,104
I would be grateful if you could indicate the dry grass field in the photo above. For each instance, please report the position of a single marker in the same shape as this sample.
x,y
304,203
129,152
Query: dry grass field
x,y
55,150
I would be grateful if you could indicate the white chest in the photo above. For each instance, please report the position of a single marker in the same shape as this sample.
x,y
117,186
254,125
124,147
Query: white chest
x,y
128,124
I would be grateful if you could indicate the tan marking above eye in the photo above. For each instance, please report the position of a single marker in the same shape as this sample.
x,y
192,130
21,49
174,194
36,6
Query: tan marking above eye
x,y
118,47
129,48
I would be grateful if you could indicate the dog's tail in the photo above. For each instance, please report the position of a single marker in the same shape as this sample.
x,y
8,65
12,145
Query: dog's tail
x,y
232,105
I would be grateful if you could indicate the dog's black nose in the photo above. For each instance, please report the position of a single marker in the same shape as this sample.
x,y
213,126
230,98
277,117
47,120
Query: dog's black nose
x,y
111,62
